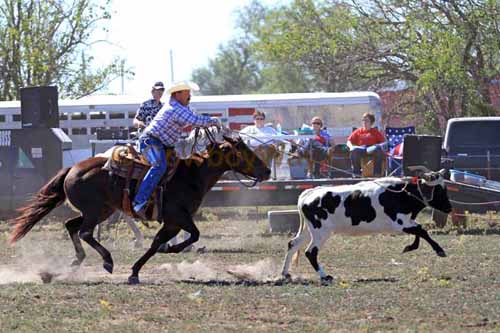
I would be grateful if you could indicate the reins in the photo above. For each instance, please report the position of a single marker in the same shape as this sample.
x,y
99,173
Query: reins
x,y
211,138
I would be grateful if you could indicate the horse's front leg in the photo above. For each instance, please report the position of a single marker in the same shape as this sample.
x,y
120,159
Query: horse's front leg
x,y
163,235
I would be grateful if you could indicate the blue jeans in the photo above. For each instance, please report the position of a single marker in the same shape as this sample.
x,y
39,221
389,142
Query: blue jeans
x,y
377,156
315,152
154,151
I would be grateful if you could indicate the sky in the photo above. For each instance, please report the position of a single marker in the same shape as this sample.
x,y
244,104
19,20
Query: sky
x,y
144,31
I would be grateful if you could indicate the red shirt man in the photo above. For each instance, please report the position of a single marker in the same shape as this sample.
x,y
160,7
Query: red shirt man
x,y
366,137
366,141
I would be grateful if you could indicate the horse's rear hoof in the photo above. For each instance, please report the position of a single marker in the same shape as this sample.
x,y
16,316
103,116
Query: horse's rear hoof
x,y
76,263
327,280
108,267
133,280
441,253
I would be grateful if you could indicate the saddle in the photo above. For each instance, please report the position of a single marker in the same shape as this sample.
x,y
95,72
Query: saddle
x,y
125,162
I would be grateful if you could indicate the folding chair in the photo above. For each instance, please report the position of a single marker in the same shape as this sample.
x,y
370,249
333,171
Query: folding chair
x,y
395,136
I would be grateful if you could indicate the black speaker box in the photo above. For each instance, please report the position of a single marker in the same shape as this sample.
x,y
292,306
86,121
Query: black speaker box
x,y
421,150
39,107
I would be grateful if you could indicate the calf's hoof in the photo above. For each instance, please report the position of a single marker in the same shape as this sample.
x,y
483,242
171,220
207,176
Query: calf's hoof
x,y
441,253
133,280
108,266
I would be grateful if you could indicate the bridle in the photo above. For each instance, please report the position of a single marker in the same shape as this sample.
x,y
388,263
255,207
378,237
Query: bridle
x,y
234,153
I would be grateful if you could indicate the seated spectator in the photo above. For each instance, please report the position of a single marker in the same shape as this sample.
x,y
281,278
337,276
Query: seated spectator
x,y
316,149
264,148
367,141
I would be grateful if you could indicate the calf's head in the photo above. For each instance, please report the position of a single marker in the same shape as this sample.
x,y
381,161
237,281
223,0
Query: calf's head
x,y
434,190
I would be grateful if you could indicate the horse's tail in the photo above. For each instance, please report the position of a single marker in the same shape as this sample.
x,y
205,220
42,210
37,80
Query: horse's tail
x,y
49,197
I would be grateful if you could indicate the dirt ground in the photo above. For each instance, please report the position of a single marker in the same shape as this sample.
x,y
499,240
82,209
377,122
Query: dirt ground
x,y
231,282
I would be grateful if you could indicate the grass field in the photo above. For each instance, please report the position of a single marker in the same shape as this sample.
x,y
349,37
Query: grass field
x,y
376,288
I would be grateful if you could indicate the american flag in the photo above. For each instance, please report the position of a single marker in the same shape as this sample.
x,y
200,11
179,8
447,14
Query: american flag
x,y
395,135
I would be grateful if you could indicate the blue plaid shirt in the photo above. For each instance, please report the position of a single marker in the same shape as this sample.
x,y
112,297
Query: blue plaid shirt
x,y
168,123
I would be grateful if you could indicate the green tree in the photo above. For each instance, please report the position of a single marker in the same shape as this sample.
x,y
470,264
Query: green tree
x,y
322,40
233,71
47,43
239,68
447,50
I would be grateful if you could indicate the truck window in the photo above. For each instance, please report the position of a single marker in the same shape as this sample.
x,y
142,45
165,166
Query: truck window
x,y
475,135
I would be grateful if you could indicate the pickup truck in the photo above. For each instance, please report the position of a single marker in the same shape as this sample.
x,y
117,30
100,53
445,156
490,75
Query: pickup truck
x,y
473,145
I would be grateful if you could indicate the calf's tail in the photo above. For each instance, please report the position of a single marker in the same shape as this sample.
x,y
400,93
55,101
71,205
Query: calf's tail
x,y
295,258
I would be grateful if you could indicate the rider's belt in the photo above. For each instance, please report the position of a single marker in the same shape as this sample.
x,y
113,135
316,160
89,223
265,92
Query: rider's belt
x,y
156,138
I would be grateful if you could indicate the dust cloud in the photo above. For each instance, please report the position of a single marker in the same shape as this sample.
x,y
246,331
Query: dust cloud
x,y
42,262
202,270
262,270
199,270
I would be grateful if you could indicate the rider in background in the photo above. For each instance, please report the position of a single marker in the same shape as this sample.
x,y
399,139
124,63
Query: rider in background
x,y
148,109
162,134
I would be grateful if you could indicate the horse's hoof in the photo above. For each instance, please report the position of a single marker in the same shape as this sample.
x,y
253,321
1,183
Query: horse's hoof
x,y
327,280
133,280
287,276
441,253
76,263
108,266
407,249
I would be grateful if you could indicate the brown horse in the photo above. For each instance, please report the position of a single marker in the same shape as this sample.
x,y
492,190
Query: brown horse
x,y
96,195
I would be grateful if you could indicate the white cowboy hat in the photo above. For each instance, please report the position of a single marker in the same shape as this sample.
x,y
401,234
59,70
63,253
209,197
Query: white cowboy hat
x,y
183,85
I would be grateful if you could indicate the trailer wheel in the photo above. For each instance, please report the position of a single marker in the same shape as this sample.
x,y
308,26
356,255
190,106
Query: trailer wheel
x,y
439,218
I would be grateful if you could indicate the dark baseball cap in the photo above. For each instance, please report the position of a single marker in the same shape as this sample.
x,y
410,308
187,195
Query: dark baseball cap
x,y
159,86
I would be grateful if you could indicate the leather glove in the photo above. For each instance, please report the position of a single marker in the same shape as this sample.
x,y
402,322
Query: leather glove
x,y
216,122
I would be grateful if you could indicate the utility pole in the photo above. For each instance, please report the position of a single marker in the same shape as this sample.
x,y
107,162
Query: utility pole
x,y
171,66
122,74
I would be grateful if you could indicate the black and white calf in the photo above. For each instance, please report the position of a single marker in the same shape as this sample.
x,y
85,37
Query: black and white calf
x,y
385,205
